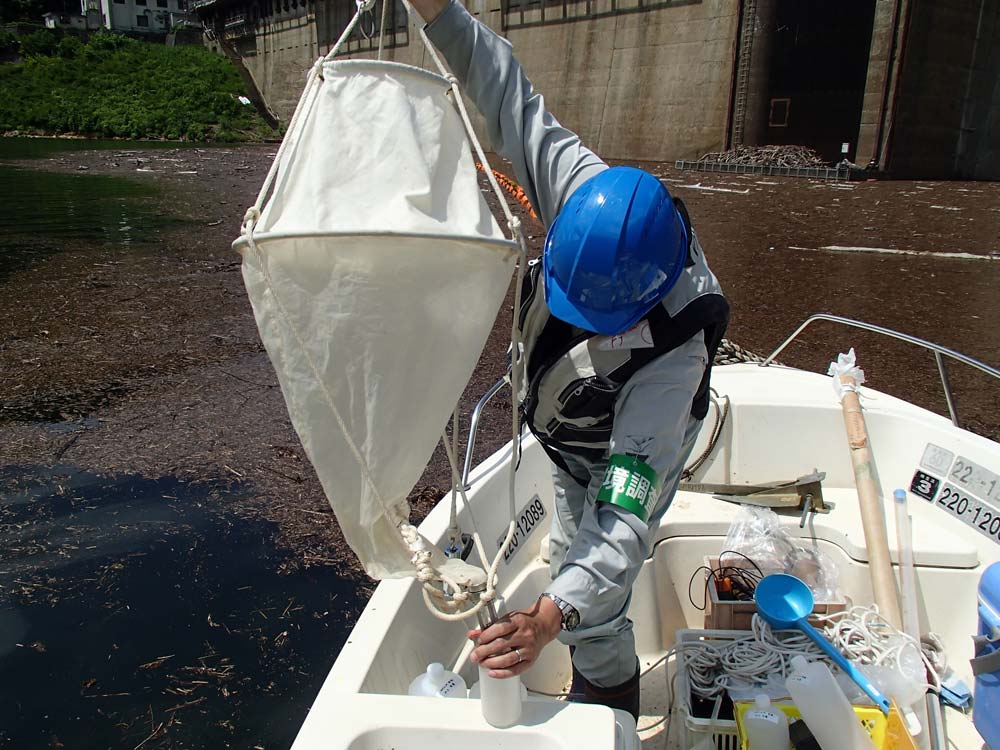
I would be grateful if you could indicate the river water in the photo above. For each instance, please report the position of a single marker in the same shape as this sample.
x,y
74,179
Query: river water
x,y
137,607
149,594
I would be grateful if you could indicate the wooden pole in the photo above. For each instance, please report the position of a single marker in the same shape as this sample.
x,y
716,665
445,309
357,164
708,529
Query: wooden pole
x,y
872,511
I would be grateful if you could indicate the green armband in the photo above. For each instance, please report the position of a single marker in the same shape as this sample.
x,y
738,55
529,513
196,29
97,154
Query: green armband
x,y
630,484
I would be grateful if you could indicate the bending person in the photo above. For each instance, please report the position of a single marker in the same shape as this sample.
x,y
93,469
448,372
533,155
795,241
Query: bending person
x,y
620,322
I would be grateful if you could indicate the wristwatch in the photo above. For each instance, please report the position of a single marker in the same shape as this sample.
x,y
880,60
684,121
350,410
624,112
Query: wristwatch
x,y
570,617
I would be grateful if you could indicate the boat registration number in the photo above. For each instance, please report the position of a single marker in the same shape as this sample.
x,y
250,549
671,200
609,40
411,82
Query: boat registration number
x,y
982,517
974,502
526,521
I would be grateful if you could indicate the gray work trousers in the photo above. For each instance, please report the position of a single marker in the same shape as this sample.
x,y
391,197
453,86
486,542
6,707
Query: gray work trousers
x,y
604,650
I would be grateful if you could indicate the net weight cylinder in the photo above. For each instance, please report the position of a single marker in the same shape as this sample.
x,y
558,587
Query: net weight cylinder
x,y
500,699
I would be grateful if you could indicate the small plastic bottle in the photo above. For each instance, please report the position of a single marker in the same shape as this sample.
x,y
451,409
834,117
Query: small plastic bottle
x,y
501,699
438,682
765,726
825,708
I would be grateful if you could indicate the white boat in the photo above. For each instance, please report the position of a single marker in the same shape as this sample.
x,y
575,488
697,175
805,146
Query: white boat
x,y
782,423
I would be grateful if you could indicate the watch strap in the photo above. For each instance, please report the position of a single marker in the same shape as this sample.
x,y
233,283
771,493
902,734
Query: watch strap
x,y
570,615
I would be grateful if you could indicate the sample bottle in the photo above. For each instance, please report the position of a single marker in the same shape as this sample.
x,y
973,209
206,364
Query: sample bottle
x,y
438,682
765,726
501,699
824,707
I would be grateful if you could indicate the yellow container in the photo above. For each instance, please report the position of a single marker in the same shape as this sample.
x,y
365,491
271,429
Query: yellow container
x,y
871,718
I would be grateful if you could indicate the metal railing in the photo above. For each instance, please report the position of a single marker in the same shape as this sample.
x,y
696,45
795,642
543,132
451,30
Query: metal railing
x,y
474,427
940,352
823,173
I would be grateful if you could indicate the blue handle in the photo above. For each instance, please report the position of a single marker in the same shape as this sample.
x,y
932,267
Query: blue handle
x,y
862,682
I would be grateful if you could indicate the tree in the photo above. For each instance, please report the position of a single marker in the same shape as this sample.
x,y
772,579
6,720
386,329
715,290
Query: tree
x,y
41,43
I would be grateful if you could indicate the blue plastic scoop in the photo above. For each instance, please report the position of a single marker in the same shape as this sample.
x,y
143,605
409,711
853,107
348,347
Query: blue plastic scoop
x,y
785,602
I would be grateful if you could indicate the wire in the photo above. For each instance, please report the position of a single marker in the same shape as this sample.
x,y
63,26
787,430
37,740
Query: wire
x,y
732,582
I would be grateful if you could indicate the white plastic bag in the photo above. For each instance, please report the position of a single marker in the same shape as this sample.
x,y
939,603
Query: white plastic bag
x,y
756,532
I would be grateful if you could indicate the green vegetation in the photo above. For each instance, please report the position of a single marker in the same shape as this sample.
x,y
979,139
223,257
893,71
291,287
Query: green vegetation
x,y
116,87
8,41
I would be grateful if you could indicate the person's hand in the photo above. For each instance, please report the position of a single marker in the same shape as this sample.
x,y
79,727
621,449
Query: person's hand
x,y
512,644
429,9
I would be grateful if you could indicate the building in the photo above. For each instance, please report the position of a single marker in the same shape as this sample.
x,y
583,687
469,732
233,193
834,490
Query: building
x,y
908,86
65,21
140,16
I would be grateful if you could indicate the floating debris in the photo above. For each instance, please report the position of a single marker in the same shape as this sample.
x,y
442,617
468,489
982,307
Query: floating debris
x,y
957,255
709,188
767,156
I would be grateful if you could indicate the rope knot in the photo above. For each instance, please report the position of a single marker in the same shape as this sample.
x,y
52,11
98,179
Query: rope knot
x,y
250,218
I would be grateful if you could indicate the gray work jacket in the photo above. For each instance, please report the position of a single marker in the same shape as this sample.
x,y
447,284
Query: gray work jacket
x,y
550,162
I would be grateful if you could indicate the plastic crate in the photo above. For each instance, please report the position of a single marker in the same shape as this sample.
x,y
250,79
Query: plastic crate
x,y
694,729
725,733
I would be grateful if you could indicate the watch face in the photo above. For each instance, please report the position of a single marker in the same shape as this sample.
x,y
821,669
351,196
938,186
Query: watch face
x,y
571,619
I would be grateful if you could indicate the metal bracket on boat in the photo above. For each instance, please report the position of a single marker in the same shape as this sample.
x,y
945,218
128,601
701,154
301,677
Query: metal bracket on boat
x,y
452,548
804,493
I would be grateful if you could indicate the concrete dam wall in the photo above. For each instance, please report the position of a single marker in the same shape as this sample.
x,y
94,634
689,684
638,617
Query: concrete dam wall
x,y
636,83
907,87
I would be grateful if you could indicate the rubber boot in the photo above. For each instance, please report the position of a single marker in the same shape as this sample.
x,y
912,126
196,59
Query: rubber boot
x,y
624,696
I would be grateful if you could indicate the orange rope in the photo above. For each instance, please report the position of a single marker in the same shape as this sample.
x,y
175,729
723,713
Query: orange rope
x,y
513,188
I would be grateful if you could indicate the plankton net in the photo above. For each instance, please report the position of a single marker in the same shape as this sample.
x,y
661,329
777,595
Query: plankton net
x,y
375,271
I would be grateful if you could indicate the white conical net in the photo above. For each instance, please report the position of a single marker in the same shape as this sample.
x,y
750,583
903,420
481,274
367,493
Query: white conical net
x,y
375,272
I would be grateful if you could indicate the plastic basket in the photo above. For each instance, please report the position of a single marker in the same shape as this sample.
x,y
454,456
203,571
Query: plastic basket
x,y
725,733
694,729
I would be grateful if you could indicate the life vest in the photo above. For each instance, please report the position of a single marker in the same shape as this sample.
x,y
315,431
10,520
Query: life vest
x,y
572,377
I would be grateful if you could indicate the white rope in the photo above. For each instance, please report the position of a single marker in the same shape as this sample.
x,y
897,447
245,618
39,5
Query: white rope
x,y
456,483
514,225
490,593
860,633
454,531
864,635
363,5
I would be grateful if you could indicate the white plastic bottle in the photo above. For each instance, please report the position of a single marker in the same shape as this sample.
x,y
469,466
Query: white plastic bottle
x,y
475,694
825,708
501,699
438,682
765,726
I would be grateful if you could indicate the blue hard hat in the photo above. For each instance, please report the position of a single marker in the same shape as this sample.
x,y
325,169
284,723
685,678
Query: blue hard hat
x,y
616,248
